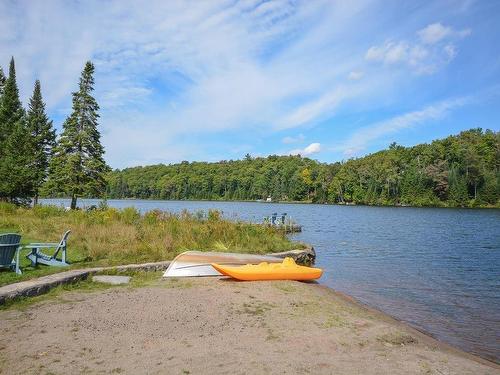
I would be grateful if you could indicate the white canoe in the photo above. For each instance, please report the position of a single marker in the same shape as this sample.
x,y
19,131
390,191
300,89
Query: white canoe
x,y
198,263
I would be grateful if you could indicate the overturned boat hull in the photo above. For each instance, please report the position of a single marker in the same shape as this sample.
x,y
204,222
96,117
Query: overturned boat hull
x,y
198,263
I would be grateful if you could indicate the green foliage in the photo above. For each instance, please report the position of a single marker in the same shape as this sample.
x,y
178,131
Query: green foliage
x,y
16,152
282,177
78,167
3,79
47,211
460,170
43,138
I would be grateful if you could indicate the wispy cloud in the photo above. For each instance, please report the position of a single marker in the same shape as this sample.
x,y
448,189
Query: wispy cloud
x,y
433,49
289,139
171,75
355,75
314,109
358,142
436,32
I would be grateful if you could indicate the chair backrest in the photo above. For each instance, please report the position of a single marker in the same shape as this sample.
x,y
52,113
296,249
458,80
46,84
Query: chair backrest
x,y
9,243
283,217
63,240
274,216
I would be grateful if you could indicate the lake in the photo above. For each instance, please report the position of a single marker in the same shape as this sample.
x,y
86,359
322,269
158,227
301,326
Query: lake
x,y
436,269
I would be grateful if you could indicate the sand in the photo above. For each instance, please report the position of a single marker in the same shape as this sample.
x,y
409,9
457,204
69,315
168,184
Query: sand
x,y
218,326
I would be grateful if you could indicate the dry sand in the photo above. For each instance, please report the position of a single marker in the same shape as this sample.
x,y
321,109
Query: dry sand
x,y
217,326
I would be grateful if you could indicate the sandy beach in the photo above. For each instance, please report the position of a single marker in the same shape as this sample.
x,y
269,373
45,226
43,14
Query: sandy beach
x,y
215,325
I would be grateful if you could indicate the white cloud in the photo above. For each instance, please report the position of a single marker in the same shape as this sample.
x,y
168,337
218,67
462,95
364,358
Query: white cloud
x,y
313,148
314,109
355,75
425,55
170,74
364,136
288,140
436,32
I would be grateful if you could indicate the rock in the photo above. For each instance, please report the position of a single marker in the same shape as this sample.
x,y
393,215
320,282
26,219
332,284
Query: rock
x,y
115,280
305,257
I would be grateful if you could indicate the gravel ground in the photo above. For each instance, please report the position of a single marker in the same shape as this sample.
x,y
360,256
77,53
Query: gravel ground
x,y
218,326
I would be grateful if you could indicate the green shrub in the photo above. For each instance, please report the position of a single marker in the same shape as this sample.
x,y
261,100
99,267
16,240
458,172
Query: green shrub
x,y
130,215
7,208
48,211
214,215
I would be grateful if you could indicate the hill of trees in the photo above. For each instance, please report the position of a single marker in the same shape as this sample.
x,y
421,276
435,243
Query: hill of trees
x,y
458,171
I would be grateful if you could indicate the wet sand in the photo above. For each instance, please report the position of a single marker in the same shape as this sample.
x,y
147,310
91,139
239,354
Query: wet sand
x,y
219,326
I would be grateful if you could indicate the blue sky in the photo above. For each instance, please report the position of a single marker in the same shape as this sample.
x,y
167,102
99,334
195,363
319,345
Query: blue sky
x,y
214,80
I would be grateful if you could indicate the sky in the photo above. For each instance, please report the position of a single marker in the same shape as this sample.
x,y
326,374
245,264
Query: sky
x,y
215,80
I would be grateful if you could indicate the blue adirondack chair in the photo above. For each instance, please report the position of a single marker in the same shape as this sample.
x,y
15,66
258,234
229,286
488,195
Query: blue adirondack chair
x,y
10,245
37,256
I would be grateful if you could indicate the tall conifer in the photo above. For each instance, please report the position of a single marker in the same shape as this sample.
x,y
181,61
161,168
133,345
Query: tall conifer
x,y
16,177
2,82
43,138
78,167
11,110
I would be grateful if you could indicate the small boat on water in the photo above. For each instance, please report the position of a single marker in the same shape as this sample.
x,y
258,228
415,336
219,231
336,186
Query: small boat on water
x,y
287,270
199,263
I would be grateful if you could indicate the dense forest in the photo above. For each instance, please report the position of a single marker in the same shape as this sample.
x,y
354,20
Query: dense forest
x,y
458,171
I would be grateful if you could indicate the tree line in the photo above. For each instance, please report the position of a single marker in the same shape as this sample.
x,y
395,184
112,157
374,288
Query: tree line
x,y
33,161
459,171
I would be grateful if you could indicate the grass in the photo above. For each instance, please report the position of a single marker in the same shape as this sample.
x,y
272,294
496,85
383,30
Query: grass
x,y
109,236
397,338
256,308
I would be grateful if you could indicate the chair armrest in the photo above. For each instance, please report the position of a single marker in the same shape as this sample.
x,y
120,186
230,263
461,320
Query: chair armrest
x,y
9,244
41,246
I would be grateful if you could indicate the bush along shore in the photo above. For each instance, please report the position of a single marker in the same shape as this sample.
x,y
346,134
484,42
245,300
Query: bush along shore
x,y
108,236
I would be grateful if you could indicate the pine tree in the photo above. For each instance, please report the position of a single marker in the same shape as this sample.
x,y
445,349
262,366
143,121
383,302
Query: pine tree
x,y
11,110
78,167
43,139
15,144
2,82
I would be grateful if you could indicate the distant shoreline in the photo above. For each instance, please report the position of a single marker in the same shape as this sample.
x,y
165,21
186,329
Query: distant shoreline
x,y
273,202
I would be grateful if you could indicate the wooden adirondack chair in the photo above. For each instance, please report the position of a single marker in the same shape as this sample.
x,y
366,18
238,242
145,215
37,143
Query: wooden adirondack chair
x,y
37,256
10,245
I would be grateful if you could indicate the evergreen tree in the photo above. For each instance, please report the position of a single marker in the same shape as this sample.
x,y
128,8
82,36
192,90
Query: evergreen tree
x,y
78,167
15,144
43,138
2,82
11,110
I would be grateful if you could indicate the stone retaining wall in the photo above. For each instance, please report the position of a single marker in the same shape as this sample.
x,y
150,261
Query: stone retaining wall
x,y
41,285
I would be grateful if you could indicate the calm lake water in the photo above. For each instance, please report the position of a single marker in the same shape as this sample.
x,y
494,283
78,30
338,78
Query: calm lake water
x,y
436,269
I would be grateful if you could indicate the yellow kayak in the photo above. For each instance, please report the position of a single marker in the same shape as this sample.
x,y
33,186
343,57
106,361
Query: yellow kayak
x,y
288,270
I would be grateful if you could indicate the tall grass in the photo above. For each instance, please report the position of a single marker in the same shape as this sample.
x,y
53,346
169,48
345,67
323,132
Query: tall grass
x,y
110,236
